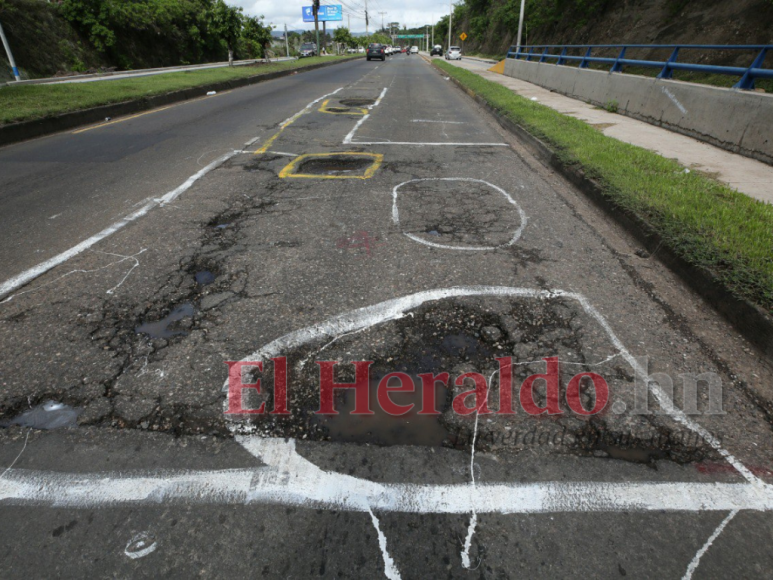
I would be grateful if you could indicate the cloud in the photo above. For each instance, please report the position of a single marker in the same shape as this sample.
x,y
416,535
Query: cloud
x,y
403,11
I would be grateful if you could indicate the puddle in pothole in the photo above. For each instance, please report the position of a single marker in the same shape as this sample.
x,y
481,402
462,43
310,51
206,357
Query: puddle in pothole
x,y
166,327
382,428
334,165
633,454
49,415
468,335
355,102
204,277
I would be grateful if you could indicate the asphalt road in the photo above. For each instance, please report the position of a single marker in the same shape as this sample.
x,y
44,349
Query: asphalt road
x,y
384,218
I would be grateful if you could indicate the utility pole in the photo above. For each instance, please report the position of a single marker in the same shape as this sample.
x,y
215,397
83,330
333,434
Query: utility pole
x,y
520,26
450,18
433,34
287,43
10,55
382,21
366,17
349,22
316,22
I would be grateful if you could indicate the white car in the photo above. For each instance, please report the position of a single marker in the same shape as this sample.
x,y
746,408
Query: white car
x,y
414,50
454,53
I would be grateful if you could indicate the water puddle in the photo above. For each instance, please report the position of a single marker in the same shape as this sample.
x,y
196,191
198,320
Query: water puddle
x,y
165,328
204,277
49,415
382,428
633,454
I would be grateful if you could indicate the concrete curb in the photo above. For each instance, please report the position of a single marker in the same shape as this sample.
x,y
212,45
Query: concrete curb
x,y
39,127
751,321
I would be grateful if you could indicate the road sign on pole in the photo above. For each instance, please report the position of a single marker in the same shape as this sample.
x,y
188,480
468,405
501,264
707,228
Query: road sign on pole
x,y
463,36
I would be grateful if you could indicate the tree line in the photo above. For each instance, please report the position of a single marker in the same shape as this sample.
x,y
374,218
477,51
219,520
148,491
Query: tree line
x,y
137,33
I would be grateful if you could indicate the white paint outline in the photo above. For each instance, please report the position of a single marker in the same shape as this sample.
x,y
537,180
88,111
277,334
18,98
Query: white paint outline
x,y
349,139
398,308
517,234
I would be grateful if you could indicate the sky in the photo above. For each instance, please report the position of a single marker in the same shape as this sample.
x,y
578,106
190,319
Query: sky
x,y
408,12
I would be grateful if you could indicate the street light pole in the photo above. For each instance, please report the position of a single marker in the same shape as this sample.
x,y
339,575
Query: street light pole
x,y
520,25
10,55
450,19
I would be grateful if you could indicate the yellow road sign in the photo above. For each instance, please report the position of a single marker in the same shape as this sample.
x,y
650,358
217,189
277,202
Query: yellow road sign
x,y
463,36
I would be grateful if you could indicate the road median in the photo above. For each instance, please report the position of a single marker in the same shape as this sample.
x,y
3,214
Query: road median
x,y
32,111
718,240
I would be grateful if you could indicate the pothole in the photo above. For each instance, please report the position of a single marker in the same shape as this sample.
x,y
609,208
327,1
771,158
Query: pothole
x,y
463,336
343,165
355,102
333,166
169,326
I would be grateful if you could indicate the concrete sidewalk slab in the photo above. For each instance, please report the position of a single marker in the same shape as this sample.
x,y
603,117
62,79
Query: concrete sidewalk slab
x,y
748,176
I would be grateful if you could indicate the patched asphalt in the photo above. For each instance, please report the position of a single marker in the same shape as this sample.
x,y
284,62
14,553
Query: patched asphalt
x,y
392,184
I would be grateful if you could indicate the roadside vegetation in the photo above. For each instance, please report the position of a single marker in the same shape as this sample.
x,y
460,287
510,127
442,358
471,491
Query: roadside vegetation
x,y
25,102
77,35
704,221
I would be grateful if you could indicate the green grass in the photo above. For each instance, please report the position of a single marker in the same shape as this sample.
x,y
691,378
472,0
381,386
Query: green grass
x,y
704,221
25,102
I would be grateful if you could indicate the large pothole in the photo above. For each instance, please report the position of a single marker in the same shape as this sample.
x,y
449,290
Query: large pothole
x,y
468,336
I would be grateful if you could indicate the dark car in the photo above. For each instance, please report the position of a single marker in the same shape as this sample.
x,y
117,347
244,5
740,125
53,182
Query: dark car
x,y
308,49
437,50
376,50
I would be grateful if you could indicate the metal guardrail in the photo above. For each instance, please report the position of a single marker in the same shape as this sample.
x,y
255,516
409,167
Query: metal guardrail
x,y
547,52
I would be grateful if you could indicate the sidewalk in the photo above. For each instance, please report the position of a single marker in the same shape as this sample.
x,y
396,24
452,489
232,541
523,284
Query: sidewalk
x,y
746,175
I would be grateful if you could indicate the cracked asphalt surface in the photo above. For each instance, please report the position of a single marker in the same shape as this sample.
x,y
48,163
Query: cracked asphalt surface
x,y
426,193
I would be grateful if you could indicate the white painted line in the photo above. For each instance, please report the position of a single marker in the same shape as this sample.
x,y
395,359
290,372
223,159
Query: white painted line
x,y
29,275
435,121
390,570
697,558
399,307
424,144
140,546
270,485
516,234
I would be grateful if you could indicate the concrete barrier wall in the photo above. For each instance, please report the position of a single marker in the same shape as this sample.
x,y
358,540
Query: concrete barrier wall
x,y
739,121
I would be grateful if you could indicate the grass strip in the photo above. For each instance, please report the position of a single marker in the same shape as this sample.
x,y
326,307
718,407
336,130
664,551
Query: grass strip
x,y
25,102
704,221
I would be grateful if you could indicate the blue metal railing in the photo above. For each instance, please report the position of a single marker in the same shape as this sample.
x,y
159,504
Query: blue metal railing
x,y
559,53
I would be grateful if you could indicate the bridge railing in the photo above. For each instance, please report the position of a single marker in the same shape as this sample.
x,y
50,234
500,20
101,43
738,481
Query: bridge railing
x,y
560,54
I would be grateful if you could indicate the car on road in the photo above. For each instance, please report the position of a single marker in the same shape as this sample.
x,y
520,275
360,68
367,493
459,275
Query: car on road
x,y
376,50
308,49
437,50
414,50
454,53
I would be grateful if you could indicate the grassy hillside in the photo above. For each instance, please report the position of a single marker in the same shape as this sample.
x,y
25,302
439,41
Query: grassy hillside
x,y
492,24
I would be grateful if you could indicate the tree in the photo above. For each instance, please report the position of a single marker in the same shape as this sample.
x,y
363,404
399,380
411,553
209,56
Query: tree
x,y
343,36
226,23
256,35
